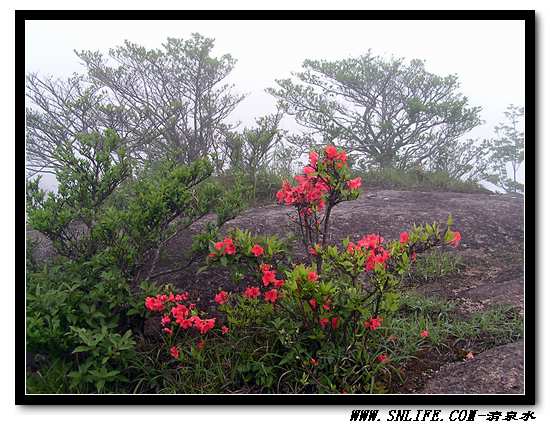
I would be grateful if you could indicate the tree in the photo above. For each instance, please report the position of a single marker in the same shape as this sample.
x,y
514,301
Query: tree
x,y
162,102
508,149
390,113
463,160
58,112
254,149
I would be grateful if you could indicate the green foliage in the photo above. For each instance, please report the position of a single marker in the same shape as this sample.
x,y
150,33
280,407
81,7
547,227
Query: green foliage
x,y
508,150
243,261
418,179
435,264
80,309
76,307
93,170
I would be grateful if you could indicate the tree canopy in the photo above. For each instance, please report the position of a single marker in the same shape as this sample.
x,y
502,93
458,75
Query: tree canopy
x,y
389,112
170,101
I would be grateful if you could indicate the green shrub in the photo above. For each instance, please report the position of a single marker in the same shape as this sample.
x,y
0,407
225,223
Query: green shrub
x,y
81,309
418,179
302,328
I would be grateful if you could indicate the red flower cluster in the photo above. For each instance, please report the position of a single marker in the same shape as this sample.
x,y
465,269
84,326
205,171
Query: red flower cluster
x,y
271,296
175,352
312,277
403,238
252,292
308,194
377,256
178,313
270,276
222,297
376,253
373,323
158,303
225,247
354,183
257,250
332,154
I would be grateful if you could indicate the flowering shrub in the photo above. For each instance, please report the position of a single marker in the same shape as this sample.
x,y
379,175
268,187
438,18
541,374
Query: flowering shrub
x,y
320,324
326,181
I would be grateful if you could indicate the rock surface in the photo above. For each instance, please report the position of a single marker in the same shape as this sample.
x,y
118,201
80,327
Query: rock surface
x,y
495,371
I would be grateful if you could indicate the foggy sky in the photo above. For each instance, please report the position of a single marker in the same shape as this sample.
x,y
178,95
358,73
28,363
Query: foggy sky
x,y
487,56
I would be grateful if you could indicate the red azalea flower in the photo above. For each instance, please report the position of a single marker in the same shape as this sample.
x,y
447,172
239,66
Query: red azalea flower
x,y
312,276
229,246
268,277
222,297
313,303
335,322
184,296
313,157
380,257
278,283
179,311
342,156
312,251
323,322
174,352
309,170
314,362
225,330
373,323
403,238
252,292
331,152
218,246
204,326
424,333
371,241
354,183
271,296
326,307
265,267
456,239
167,331
257,250
184,323
383,358
165,320
154,304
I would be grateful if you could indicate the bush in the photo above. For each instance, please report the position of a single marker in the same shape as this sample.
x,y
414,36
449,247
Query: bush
x,y
313,327
419,179
81,309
